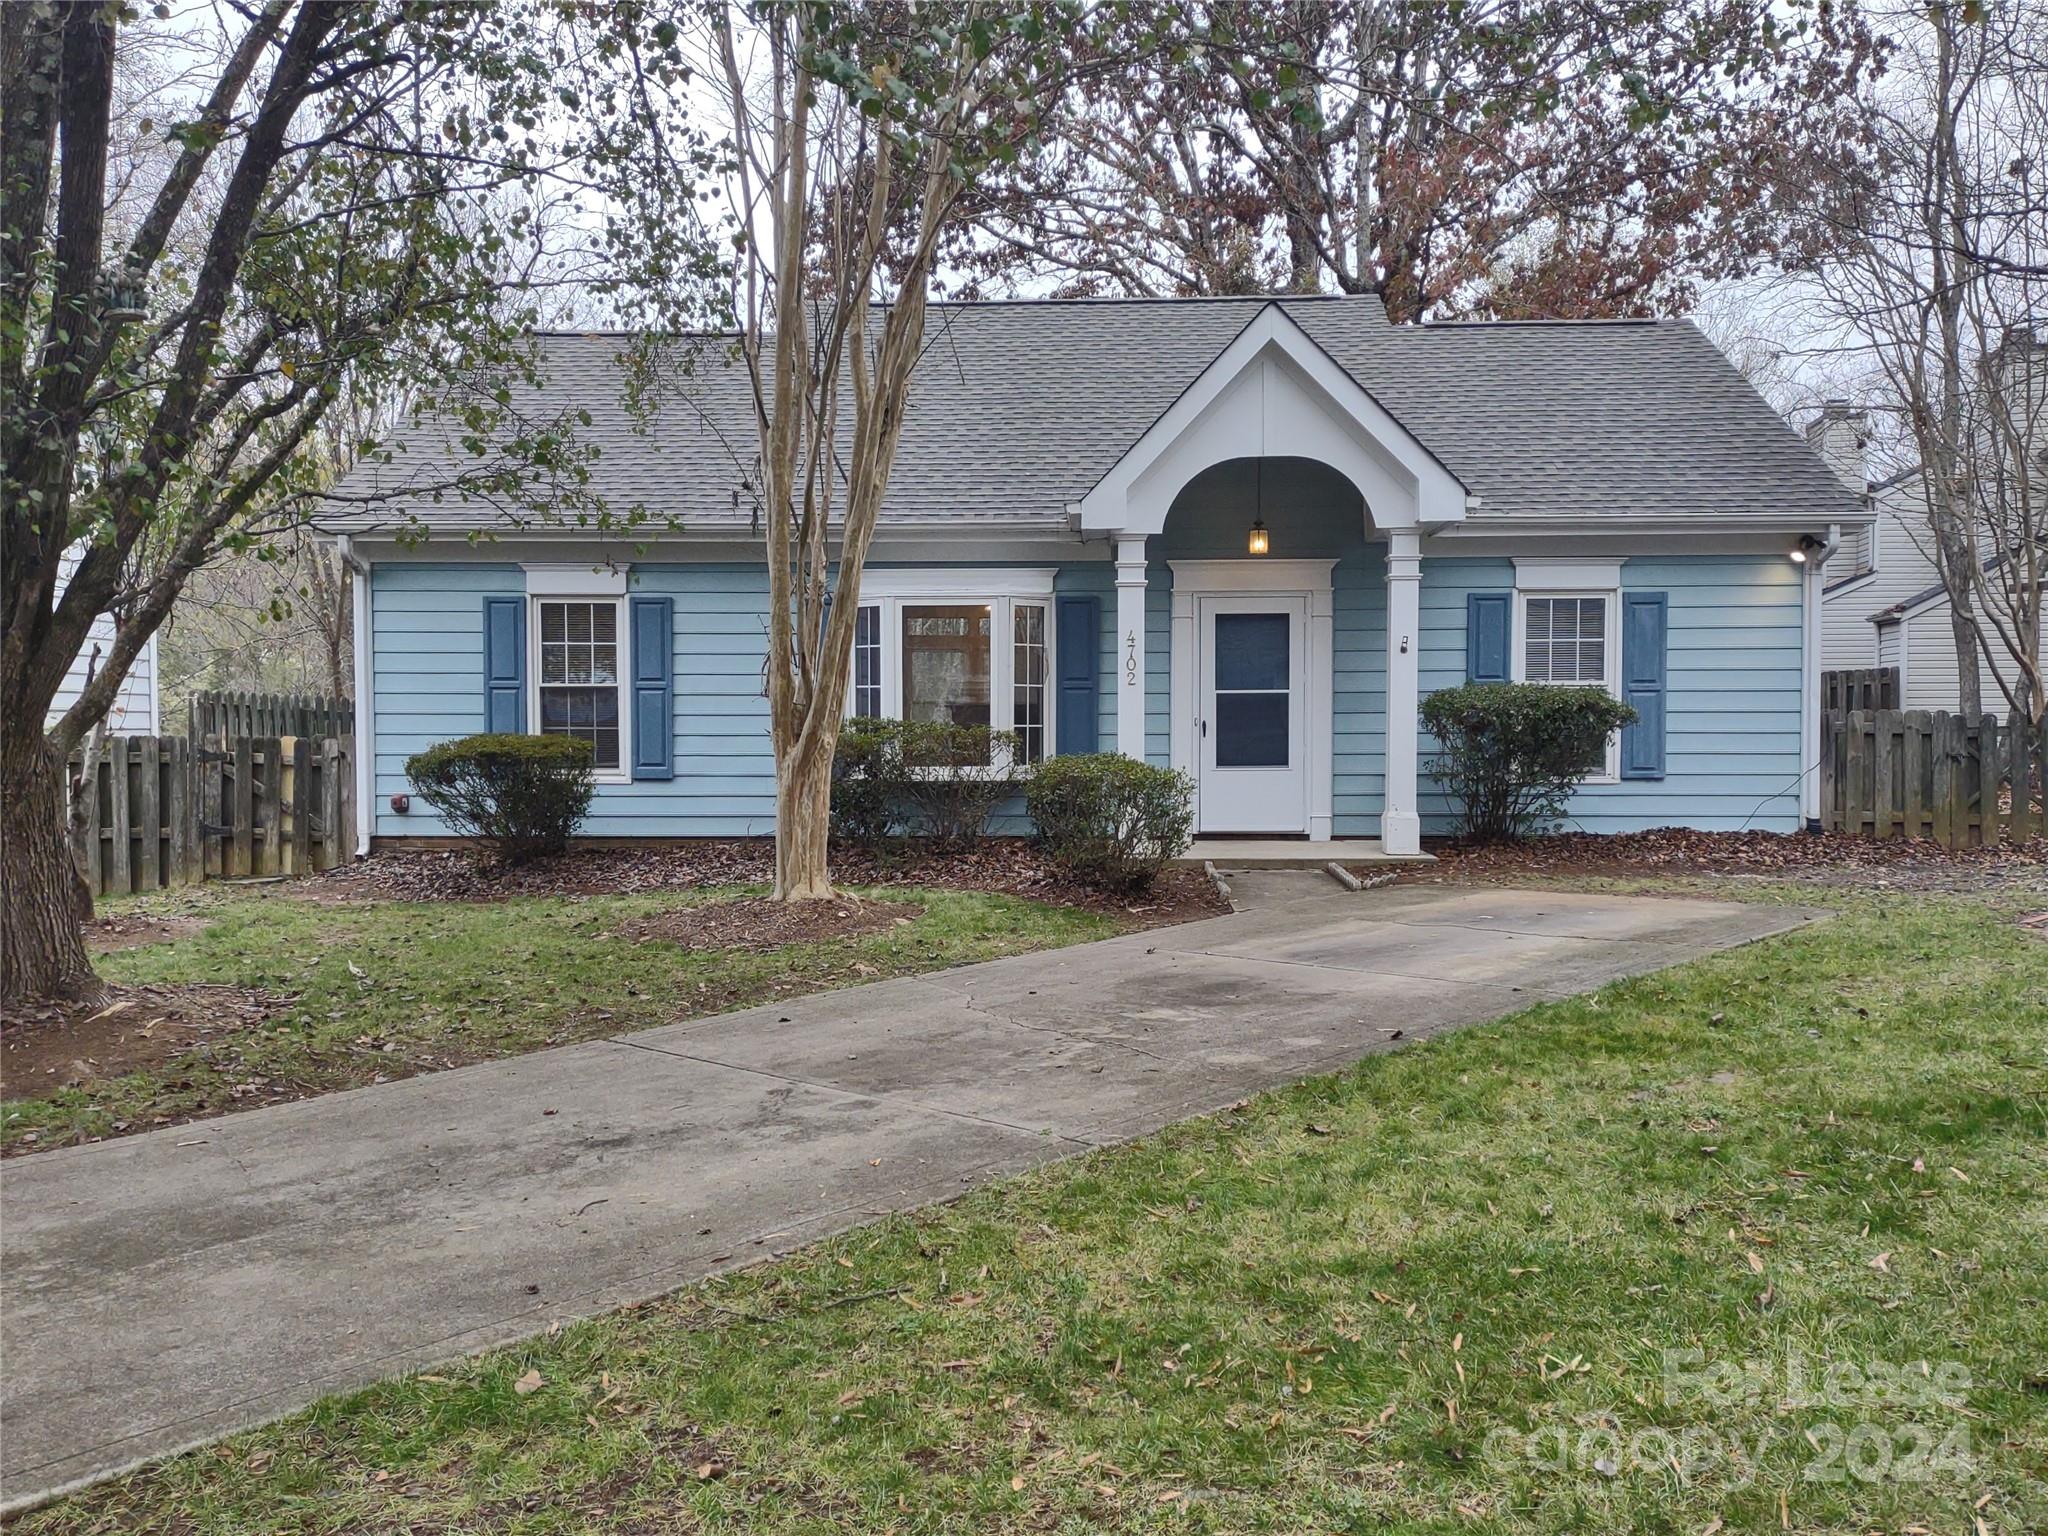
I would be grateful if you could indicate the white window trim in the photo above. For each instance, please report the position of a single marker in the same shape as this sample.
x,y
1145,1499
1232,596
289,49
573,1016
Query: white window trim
x,y
1000,591
1610,598
575,581
623,774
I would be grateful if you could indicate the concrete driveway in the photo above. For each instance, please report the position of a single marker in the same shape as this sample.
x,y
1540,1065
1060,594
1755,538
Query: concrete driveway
x,y
167,1288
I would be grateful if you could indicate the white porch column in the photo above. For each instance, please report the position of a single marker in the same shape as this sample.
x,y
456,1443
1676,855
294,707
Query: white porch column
x,y
1130,648
1400,825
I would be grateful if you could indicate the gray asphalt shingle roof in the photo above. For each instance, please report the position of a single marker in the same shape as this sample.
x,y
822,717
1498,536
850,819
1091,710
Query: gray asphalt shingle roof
x,y
1019,407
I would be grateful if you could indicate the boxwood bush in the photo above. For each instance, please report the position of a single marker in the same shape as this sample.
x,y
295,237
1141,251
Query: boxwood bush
x,y
520,797
923,778
1111,821
1512,753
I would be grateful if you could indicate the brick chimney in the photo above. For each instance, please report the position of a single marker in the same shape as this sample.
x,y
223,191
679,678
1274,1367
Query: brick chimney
x,y
1839,433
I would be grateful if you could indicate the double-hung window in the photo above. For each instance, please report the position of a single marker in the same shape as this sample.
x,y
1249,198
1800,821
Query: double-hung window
x,y
967,648
578,644
1569,638
1565,640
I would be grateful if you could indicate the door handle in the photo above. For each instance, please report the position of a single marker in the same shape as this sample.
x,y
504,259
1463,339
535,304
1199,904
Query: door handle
x,y
1205,728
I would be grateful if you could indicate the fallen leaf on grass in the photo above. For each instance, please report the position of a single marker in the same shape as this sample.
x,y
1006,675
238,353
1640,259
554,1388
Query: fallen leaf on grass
x,y
528,1384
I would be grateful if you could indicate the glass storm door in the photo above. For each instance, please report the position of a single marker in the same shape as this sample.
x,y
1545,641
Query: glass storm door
x,y
1250,730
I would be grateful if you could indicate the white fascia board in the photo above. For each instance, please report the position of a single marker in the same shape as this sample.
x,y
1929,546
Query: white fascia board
x,y
1611,523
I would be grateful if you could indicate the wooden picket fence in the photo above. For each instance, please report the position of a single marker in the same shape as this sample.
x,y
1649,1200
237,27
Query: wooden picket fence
x,y
1847,688
173,810
270,714
1965,782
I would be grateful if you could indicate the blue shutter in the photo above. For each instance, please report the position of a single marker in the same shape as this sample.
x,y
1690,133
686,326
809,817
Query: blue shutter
x,y
1079,647
1644,624
505,664
1487,628
654,736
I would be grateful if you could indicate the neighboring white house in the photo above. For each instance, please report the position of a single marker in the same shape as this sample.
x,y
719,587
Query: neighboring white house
x,y
136,710
1884,604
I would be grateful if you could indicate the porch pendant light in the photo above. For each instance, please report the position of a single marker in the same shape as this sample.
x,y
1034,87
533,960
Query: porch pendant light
x,y
1258,543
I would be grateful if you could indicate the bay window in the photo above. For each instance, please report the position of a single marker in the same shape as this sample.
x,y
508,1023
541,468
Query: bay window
x,y
964,648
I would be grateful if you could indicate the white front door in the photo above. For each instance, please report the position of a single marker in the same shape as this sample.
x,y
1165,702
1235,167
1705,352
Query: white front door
x,y
1251,714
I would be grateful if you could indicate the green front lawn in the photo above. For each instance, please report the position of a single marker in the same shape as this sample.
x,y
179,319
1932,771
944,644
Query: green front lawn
x,y
367,991
1607,1265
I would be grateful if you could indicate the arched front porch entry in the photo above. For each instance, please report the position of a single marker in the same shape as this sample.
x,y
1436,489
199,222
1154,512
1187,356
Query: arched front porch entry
x,y
1272,397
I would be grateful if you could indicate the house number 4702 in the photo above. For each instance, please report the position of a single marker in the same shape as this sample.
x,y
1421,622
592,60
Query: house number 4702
x,y
1131,659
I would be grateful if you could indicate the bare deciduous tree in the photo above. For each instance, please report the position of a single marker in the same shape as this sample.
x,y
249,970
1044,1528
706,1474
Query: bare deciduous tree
x,y
1499,157
1936,218
854,135
326,210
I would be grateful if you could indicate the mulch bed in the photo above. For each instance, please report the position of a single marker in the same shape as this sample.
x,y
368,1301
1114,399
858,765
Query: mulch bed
x,y
1007,866
48,1046
756,923
1822,858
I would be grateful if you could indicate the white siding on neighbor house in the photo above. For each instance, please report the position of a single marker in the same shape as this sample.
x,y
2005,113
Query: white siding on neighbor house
x,y
1847,637
135,710
1929,664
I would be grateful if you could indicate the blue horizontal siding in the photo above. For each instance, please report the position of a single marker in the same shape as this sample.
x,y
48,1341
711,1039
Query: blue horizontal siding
x,y
1732,732
426,648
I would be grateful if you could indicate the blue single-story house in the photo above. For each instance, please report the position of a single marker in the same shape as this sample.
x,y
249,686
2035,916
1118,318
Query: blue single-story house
x,y
1240,536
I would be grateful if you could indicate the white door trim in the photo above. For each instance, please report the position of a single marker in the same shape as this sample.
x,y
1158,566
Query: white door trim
x,y
1260,578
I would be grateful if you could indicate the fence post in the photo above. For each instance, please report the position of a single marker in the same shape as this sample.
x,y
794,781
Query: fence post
x,y
148,821
333,789
1829,730
300,797
271,789
1885,726
1913,742
120,867
1943,750
242,787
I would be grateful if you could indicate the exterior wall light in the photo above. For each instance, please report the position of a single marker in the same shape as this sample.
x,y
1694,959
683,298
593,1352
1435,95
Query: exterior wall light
x,y
1807,543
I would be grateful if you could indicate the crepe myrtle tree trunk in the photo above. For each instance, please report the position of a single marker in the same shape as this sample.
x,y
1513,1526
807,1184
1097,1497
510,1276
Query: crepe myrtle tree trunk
x,y
803,823
42,946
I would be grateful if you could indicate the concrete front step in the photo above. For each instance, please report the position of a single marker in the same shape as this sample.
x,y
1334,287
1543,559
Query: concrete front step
x,y
1228,853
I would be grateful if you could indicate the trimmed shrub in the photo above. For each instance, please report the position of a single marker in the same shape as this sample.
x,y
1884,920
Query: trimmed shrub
x,y
923,777
1512,753
1111,821
954,778
521,797
867,779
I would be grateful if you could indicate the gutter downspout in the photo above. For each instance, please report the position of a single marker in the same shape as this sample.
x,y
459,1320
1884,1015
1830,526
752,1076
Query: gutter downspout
x,y
366,704
1809,680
